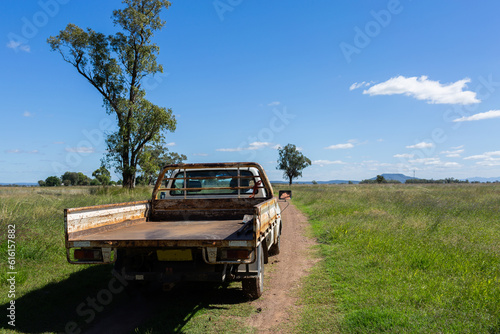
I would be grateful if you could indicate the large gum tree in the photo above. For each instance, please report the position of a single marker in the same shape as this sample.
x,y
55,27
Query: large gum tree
x,y
116,65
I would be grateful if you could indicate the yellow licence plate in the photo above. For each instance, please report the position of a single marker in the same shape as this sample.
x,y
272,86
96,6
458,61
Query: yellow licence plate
x,y
174,255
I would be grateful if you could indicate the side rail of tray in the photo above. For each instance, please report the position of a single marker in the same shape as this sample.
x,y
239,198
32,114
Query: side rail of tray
x,y
81,223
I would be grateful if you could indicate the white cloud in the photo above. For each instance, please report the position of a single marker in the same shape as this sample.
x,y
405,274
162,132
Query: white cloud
x,y
238,149
426,161
422,88
27,114
488,159
170,144
453,153
274,103
256,145
18,45
327,162
404,155
421,145
359,85
480,116
486,155
450,164
20,151
200,154
276,147
457,147
340,146
81,149
489,162
436,162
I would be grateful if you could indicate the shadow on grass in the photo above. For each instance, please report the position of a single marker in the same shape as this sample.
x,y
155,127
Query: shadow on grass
x,y
94,301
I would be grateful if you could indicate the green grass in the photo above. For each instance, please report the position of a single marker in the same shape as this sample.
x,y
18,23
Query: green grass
x,y
403,259
48,289
394,259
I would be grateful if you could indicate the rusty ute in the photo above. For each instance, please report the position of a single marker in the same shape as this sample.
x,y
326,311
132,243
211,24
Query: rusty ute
x,y
205,222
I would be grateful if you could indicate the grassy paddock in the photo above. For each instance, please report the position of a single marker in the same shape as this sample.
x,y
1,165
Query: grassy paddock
x,y
46,285
49,291
403,259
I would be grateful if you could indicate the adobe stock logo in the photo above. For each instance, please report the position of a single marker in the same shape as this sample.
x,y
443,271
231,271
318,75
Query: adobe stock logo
x,y
223,6
363,37
32,24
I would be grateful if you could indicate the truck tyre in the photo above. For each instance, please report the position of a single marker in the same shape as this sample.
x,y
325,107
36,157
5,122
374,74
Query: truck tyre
x,y
254,286
275,248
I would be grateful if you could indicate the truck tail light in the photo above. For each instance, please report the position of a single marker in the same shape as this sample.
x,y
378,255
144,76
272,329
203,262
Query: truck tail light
x,y
236,254
88,254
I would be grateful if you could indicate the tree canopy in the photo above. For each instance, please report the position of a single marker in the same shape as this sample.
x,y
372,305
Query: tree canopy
x,y
153,159
102,175
52,181
115,65
291,161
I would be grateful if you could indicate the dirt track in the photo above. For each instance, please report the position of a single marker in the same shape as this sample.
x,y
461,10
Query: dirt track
x,y
283,275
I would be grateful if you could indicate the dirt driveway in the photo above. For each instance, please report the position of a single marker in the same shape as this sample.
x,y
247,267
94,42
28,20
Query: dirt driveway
x,y
283,275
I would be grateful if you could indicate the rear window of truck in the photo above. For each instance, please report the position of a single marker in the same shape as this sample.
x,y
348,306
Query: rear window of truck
x,y
210,182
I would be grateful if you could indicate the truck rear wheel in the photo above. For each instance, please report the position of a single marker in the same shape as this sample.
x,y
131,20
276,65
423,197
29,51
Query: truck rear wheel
x,y
254,286
275,248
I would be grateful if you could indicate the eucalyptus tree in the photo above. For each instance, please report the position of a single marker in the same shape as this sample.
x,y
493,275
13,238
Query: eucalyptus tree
x,y
115,66
291,161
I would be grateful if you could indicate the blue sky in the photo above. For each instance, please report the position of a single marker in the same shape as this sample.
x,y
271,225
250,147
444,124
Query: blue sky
x,y
361,87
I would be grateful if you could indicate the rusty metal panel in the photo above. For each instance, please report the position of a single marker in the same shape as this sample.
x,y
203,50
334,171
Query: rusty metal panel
x,y
163,243
81,235
104,206
206,203
177,230
203,209
104,216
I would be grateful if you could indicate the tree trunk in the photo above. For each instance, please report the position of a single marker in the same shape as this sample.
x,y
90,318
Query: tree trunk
x,y
127,171
128,179
290,182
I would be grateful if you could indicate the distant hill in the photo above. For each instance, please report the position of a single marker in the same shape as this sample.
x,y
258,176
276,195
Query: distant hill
x,y
396,177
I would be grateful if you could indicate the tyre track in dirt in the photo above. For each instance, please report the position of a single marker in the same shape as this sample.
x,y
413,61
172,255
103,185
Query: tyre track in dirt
x,y
283,274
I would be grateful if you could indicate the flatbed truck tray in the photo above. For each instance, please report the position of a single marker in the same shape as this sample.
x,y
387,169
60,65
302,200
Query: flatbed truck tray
x,y
173,233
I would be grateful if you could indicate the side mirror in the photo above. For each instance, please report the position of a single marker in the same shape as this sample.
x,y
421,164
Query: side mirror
x,y
285,194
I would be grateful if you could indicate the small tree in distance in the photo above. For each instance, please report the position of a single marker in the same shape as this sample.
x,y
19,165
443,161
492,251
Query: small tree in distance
x,y
291,161
52,181
380,179
102,175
